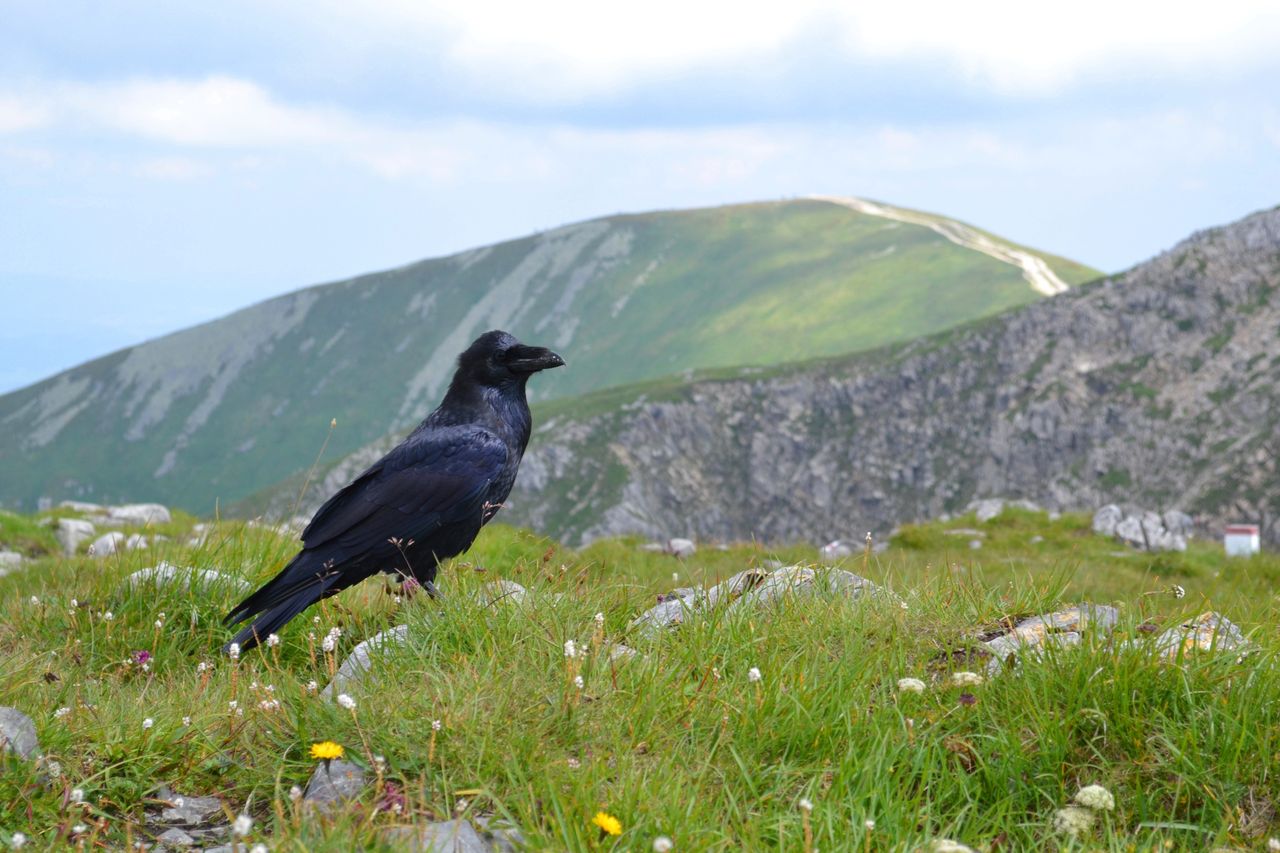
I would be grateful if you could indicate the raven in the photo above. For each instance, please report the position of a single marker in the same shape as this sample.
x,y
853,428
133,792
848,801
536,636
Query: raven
x,y
424,501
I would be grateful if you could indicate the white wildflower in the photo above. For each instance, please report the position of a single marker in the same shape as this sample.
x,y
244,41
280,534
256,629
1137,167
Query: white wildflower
x,y
395,599
805,804
328,643
242,825
61,712
295,793
269,705
205,666
17,840
148,723
436,725
1095,797
186,721
75,603
946,845
573,763
910,685
159,624
966,679
108,616
36,601
258,848
346,702
570,649
1073,820
460,806
662,844
76,796
233,651
315,619
599,617
1273,844
233,704
869,824
578,682
79,829
312,687
1178,591
753,674
273,640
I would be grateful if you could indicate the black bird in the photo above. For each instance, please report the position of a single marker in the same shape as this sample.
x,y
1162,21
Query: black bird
x,y
424,501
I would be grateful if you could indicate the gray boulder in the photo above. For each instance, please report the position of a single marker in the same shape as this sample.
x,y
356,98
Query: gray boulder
x,y
985,510
332,784
1207,632
1106,519
166,573
107,544
135,542
140,514
1031,637
357,663
446,836
10,560
18,733
754,586
501,591
71,532
681,547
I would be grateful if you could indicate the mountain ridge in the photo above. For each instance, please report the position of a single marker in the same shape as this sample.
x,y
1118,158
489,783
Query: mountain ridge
x,y
226,407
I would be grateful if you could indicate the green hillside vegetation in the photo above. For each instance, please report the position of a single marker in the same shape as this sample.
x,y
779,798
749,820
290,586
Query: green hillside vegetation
x,y
219,411
677,741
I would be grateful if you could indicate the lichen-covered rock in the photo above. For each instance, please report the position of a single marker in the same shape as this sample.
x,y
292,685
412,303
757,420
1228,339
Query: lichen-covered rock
x,y
71,532
985,510
1207,632
357,663
10,560
185,811
140,514
166,573
753,586
18,733
1063,628
446,836
175,837
332,784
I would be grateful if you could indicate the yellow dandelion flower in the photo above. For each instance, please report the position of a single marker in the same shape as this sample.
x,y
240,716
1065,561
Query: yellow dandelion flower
x,y
326,750
608,823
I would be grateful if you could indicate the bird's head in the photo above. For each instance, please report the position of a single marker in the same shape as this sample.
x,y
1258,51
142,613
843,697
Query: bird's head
x,y
496,358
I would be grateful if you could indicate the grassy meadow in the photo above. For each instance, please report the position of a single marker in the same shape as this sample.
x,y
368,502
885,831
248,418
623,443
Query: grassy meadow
x,y
677,741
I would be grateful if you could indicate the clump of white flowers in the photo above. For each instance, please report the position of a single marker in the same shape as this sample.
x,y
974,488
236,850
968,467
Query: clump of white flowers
x,y
662,844
242,825
233,651
570,649
966,679
346,702
273,640
1073,820
910,685
148,723
753,674
1095,797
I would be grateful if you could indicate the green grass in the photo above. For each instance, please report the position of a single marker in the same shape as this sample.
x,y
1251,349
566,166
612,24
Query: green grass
x,y
676,741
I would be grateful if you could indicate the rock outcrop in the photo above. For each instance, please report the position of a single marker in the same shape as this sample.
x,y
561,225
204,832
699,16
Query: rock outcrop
x,y
1158,387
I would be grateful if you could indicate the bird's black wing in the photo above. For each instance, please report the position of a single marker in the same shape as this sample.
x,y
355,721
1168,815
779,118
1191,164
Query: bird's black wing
x,y
432,479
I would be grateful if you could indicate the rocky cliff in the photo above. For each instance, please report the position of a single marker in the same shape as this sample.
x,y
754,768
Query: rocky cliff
x,y
1158,386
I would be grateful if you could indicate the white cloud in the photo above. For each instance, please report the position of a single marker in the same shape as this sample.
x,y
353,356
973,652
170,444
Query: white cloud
x,y
569,48
19,114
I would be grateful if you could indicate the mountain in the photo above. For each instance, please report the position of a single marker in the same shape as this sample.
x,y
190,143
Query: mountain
x,y
221,410
1160,387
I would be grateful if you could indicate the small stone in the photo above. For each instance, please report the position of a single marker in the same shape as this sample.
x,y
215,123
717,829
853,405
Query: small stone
x,y
71,532
835,551
447,836
189,811
501,591
985,510
140,514
175,837
18,733
681,548
334,783
82,506
975,544
357,663
107,544
10,560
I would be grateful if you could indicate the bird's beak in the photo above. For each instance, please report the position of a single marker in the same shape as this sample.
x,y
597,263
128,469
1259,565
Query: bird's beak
x,y
525,359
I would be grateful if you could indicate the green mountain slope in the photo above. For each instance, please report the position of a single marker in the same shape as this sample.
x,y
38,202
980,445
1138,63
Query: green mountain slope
x,y
221,410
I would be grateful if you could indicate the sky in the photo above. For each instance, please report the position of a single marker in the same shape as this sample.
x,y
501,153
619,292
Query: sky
x,y
162,164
